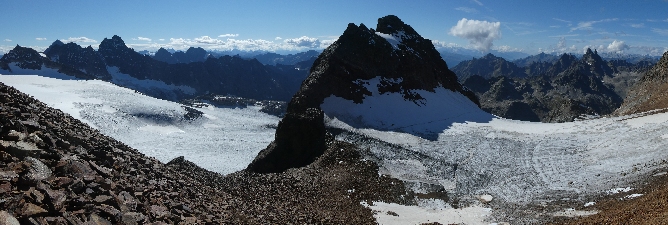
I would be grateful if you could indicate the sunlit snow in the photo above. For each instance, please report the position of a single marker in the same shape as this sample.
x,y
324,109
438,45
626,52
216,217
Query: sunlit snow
x,y
223,140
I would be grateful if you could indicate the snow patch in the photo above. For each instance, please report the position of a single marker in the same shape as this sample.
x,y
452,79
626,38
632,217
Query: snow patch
x,y
392,213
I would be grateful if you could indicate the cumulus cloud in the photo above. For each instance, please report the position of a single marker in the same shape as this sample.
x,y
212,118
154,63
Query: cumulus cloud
x,y
480,34
161,39
617,46
303,41
79,40
588,25
228,35
141,39
8,40
467,9
40,39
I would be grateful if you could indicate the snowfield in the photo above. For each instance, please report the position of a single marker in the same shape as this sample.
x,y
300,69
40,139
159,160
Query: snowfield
x,y
490,167
222,140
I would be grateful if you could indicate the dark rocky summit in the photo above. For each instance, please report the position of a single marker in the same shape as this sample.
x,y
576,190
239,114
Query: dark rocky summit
x,y
393,52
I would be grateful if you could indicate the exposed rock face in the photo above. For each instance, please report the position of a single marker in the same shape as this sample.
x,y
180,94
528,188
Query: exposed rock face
x,y
393,52
650,93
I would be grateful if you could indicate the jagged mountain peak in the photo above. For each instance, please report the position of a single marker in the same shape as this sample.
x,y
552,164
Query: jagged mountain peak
x,y
392,25
114,43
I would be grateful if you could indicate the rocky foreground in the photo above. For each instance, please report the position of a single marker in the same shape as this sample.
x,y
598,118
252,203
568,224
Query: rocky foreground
x,y
55,169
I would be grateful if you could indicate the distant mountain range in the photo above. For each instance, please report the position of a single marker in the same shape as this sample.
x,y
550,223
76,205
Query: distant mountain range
x,y
181,74
549,88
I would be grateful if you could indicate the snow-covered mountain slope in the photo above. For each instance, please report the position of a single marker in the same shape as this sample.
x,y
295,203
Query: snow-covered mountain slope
x,y
223,140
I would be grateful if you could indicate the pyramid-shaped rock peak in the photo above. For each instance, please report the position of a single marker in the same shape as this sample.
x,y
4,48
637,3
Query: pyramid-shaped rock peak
x,y
392,68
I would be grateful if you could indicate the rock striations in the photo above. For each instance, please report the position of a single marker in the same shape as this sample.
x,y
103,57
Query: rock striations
x,y
391,60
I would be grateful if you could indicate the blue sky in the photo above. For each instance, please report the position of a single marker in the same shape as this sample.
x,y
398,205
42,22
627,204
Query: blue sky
x,y
639,26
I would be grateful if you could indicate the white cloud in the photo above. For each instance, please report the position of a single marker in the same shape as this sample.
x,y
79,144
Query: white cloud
x,y
562,47
440,44
40,39
8,40
570,23
278,38
480,34
506,48
142,39
663,32
467,9
477,2
208,40
79,39
303,41
637,25
587,25
161,39
228,35
617,46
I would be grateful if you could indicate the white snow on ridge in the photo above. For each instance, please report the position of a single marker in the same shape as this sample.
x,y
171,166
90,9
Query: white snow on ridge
x,y
223,140
390,112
